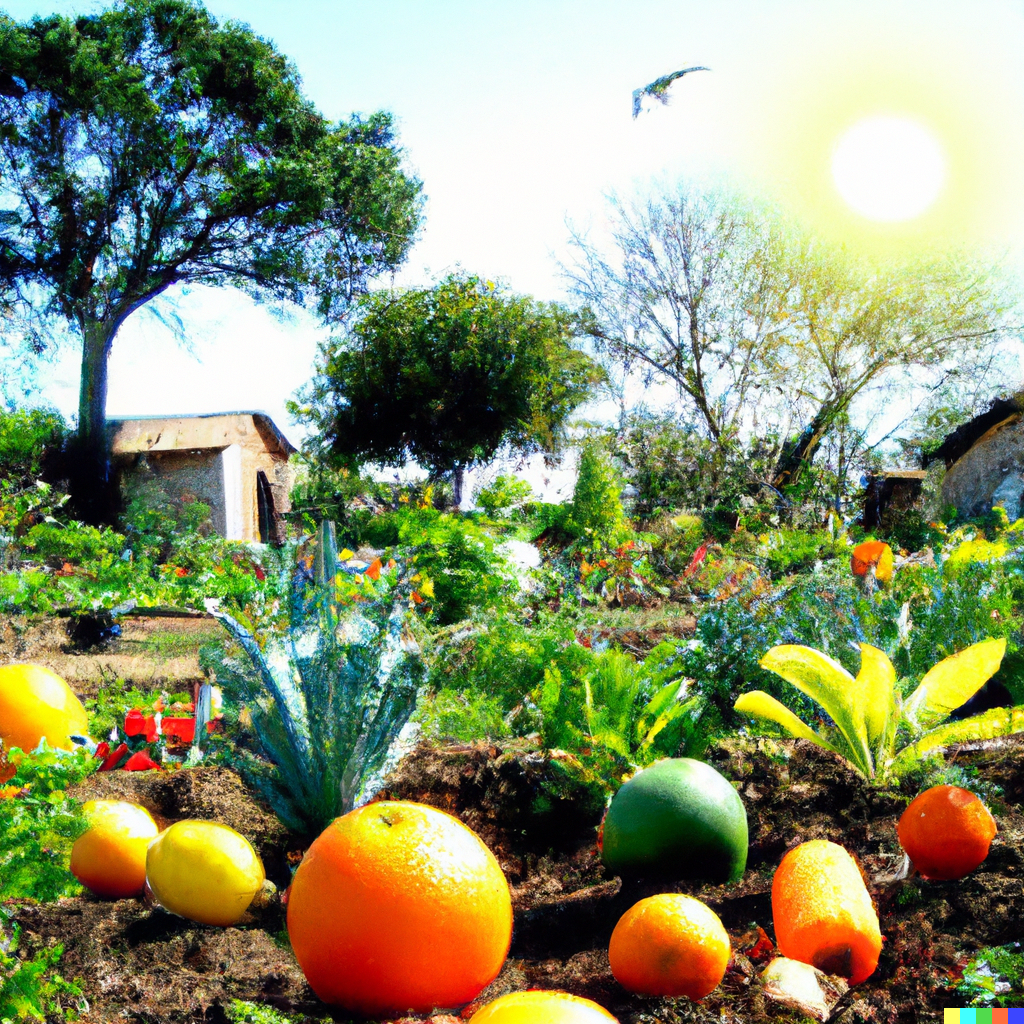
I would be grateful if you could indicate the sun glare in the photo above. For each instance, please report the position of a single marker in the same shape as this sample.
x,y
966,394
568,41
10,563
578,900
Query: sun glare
x,y
888,169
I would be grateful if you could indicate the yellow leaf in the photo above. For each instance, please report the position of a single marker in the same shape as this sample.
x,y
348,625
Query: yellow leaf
x,y
952,682
427,588
759,704
827,682
987,725
345,554
877,682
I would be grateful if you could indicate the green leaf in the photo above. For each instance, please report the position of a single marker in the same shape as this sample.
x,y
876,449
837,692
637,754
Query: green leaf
x,y
951,683
759,704
830,685
986,726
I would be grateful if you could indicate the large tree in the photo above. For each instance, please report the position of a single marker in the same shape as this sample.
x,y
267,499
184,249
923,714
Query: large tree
x,y
755,323
857,324
148,146
447,376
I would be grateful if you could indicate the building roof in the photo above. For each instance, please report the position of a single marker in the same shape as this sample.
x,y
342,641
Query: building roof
x,y
961,440
194,432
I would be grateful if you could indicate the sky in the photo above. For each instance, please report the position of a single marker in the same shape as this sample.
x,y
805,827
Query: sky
x,y
516,116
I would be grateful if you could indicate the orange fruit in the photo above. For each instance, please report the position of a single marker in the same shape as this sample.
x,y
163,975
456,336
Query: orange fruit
x,y
37,703
110,858
946,831
873,556
399,907
540,1007
823,912
669,945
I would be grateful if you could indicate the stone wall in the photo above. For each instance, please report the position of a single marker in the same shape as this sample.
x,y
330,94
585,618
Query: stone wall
x,y
990,473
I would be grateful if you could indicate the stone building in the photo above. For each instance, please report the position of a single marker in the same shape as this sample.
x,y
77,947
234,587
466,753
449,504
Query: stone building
x,y
237,463
985,461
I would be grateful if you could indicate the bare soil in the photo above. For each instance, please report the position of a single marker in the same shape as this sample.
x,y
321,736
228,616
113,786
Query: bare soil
x,y
152,653
137,963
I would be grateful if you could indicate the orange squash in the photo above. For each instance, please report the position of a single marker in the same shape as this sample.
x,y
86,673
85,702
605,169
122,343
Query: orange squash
x,y
823,912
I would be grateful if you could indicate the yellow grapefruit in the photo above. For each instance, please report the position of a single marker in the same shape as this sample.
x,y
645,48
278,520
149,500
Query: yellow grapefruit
x,y
37,703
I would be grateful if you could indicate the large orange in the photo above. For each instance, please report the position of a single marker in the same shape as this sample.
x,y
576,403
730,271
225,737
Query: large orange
x,y
669,945
946,831
399,907
541,1007
35,702
823,912
110,858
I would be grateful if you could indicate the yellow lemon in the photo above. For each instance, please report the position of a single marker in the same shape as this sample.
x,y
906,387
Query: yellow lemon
x,y
204,871
538,1007
35,702
110,858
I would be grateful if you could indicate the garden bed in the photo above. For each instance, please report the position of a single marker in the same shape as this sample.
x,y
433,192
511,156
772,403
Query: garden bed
x,y
137,963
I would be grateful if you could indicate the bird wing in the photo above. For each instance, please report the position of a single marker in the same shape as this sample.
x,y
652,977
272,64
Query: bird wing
x,y
658,89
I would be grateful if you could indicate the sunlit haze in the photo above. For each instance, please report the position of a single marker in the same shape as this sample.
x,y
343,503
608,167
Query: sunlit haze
x,y
883,125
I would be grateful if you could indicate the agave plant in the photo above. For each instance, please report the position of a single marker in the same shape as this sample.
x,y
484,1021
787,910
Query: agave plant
x,y
329,694
879,733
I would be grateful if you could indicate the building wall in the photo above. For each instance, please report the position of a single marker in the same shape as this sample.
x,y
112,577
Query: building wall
x,y
213,459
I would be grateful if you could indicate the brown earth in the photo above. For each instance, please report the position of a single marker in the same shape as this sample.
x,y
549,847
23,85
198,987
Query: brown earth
x,y
152,653
141,964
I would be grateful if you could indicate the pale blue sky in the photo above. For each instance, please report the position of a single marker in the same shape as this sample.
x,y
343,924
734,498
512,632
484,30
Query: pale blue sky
x,y
516,115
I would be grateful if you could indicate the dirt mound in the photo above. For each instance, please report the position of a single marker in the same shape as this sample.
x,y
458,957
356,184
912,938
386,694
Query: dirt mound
x,y
537,811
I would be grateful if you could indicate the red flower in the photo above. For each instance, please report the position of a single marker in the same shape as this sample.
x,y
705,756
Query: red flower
x,y
180,571
698,556
260,574
111,762
603,563
138,724
181,729
140,762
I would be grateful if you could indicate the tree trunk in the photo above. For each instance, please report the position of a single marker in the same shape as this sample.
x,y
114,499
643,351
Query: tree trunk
x,y
91,480
799,453
458,475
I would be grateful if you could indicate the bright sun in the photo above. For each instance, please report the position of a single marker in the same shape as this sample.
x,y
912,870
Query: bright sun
x,y
888,168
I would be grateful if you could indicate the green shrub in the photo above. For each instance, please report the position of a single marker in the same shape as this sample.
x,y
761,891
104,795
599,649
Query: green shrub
x,y
787,551
39,824
503,496
73,542
30,442
457,561
29,988
596,514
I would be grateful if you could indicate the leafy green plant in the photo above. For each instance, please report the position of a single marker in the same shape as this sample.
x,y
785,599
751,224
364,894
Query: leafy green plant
x,y
457,560
329,691
39,824
876,730
243,1012
503,496
622,577
994,977
785,551
29,990
612,712
596,514
30,440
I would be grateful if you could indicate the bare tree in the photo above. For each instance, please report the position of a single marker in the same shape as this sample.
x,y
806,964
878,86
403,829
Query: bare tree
x,y
695,292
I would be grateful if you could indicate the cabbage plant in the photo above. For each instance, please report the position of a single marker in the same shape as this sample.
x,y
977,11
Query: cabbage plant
x,y
876,730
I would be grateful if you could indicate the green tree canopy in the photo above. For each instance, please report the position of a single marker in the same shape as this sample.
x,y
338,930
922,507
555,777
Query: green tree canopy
x,y
447,376
147,146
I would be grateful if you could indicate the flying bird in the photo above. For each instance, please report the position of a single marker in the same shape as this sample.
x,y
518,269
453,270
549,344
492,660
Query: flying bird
x,y
659,88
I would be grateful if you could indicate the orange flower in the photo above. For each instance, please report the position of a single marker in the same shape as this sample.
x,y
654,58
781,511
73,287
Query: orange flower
x,y
179,571
416,598
374,570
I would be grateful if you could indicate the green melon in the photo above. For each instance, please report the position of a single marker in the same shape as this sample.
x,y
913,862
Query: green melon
x,y
681,818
